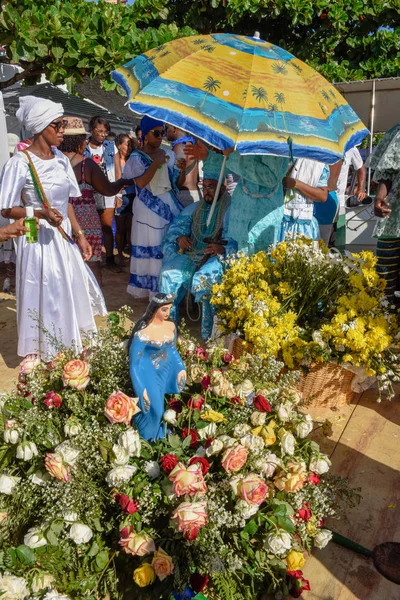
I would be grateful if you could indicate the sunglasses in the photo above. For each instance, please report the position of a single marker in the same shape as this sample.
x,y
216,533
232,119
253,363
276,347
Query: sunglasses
x,y
57,125
157,133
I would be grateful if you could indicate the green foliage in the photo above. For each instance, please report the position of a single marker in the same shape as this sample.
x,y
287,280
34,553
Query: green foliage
x,y
68,39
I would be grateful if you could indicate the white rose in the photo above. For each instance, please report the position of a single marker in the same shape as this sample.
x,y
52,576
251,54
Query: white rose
x,y
13,588
244,389
258,418
72,427
304,427
215,447
252,442
170,417
80,533
130,440
34,538
11,436
284,411
26,451
241,429
70,516
121,455
201,451
246,510
320,464
267,465
322,538
152,469
227,441
41,581
68,453
209,431
39,477
8,483
278,542
120,474
54,595
287,443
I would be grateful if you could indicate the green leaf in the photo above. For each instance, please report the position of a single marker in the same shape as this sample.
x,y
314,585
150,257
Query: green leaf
x,y
186,442
102,560
97,525
174,441
51,537
25,554
57,51
286,524
94,548
251,527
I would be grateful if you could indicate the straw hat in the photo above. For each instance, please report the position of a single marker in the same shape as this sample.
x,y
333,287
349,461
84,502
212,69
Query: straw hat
x,y
75,126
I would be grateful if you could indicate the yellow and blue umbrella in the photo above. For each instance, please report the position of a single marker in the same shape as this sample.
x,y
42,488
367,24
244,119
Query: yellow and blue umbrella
x,y
242,92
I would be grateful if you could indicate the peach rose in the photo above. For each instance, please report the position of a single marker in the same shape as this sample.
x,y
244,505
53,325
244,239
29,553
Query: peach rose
x,y
76,374
293,479
137,544
162,564
188,480
29,364
234,458
56,467
191,516
251,488
120,408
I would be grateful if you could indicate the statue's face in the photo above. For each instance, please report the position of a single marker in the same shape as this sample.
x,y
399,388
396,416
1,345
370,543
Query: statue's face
x,y
163,312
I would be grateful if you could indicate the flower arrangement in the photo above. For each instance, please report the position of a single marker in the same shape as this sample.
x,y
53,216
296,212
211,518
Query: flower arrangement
x,y
229,503
302,303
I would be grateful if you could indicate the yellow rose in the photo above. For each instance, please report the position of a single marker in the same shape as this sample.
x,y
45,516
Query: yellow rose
x,y
267,434
311,527
213,416
144,575
295,561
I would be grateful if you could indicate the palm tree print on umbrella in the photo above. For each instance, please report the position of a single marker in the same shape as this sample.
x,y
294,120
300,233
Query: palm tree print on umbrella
x,y
261,95
325,96
273,108
297,68
211,85
280,98
279,68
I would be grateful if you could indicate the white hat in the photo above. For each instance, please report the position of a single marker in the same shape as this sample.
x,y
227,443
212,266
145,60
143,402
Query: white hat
x,y
37,113
13,140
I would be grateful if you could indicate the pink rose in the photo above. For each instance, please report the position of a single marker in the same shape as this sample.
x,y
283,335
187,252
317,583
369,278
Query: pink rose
x,y
201,353
251,488
137,544
120,408
205,382
29,364
76,374
191,516
187,480
162,564
196,402
55,466
234,458
128,505
227,358
52,400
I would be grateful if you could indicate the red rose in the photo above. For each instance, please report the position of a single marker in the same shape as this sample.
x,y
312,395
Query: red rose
x,y
192,533
196,402
176,405
198,582
314,478
304,513
203,462
128,505
208,442
261,404
193,435
227,358
205,382
52,400
236,400
201,353
168,462
300,584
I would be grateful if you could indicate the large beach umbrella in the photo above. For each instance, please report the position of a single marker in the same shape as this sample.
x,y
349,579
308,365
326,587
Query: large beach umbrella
x,y
232,90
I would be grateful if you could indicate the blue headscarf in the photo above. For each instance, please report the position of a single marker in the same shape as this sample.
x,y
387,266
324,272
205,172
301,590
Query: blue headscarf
x,y
148,123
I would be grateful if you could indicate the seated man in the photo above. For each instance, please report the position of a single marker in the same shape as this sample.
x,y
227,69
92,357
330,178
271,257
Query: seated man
x,y
192,250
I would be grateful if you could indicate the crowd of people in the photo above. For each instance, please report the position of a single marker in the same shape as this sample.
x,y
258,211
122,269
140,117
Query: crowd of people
x,y
149,193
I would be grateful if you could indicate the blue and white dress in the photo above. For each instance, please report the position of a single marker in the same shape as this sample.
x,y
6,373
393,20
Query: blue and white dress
x,y
151,218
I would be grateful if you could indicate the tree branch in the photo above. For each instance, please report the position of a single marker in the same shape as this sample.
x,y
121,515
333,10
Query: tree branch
x,y
31,71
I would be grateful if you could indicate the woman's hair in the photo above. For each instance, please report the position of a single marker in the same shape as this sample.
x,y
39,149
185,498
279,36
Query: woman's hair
x,y
94,121
155,303
119,139
137,129
72,143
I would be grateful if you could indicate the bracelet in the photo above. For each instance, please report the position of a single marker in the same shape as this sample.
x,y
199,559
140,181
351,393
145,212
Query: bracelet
x,y
79,233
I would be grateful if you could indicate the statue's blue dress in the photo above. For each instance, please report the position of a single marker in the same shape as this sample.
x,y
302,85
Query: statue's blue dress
x,y
154,369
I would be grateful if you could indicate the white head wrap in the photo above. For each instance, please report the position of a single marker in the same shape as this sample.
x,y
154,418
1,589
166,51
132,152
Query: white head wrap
x,y
37,113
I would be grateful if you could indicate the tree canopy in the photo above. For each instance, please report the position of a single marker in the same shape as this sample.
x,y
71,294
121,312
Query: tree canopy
x,y
70,39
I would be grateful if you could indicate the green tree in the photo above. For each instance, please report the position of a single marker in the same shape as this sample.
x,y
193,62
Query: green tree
x,y
211,85
70,39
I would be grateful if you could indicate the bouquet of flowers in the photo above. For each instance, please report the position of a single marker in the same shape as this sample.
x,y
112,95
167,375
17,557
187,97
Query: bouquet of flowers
x,y
229,503
303,303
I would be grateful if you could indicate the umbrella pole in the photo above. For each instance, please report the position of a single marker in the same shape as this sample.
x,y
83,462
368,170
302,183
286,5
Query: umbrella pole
x,y
217,191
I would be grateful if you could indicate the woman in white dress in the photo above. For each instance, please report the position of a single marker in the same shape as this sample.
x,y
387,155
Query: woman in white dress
x,y
53,284
155,205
